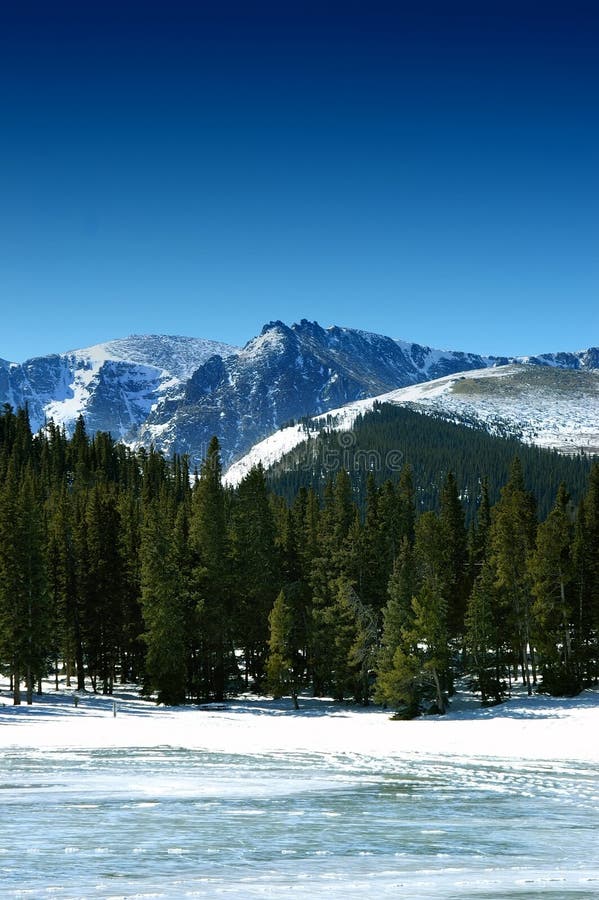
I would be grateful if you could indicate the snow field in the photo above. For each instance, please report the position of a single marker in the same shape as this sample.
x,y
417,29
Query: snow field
x,y
523,728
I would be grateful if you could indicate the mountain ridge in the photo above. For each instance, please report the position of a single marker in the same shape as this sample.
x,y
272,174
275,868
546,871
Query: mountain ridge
x,y
547,406
112,384
176,392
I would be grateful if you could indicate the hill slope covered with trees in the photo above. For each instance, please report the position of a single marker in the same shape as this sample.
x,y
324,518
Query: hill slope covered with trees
x,y
116,566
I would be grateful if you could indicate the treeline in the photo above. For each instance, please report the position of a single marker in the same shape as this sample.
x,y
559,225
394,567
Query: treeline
x,y
118,566
382,441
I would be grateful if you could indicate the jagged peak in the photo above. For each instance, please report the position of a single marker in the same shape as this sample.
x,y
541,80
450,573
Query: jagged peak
x,y
308,326
273,337
274,325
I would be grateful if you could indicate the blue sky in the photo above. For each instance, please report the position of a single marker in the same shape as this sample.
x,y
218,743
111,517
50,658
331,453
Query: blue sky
x,y
201,169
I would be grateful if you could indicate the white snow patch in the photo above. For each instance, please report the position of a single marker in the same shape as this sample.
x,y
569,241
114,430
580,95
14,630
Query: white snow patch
x,y
523,728
541,417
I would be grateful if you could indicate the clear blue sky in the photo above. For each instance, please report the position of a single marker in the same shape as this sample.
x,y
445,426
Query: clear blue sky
x,y
427,171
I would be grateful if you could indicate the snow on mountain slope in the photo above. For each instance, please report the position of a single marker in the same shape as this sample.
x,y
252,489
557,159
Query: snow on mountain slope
x,y
114,385
177,392
284,373
178,355
539,404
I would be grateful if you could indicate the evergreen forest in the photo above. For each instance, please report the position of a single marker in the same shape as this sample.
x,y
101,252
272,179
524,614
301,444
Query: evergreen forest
x,y
389,437
120,566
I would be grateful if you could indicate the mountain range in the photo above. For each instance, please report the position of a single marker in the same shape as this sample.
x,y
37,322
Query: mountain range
x,y
544,405
176,392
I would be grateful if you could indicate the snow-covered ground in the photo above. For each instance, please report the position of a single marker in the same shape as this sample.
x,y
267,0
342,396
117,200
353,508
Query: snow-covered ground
x,y
540,405
250,799
537,727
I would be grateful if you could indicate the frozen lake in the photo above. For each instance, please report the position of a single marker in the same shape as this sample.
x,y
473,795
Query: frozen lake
x,y
166,822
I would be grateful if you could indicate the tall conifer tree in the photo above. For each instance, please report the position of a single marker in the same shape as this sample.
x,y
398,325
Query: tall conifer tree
x,y
208,536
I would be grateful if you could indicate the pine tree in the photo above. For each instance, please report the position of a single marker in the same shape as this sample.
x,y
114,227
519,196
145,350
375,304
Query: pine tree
x,y
285,665
377,555
132,650
452,521
406,503
24,613
415,652
256,569
429,638
104,581
62,572
482,639
343,506
208,538
552,573
80,456
163,608
591,565
397,617
511,542
584,633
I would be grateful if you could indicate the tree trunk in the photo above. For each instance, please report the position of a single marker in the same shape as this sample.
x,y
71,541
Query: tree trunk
x,y
525,674
16,688
440,698
79,663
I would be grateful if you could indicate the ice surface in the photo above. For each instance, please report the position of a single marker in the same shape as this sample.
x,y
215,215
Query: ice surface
x,y
250,799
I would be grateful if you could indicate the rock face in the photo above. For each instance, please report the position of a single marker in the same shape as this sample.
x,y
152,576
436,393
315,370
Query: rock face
x,y
177,392
289,372
113,385
551,406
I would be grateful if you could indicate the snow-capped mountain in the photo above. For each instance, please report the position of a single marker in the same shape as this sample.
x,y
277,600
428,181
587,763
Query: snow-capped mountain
x,y
541,404
113,385
289,372
176,392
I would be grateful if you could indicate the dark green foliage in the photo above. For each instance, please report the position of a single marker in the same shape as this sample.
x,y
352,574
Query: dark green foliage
x,y
453,528
398,616
286,663
114,568
390,438
163,608
210,543
552,572
483,638
24,607
255,569
511,543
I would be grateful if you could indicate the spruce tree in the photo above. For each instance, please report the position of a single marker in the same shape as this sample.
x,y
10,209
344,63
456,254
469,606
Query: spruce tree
x,y
552,573
428,638
256,569
104,582
482,639
62,573
163,608
285,665
511,542
397,617
24,611
452,522
591,553
208,538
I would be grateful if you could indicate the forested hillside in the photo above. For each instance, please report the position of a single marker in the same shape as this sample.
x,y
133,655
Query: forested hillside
x,y
383,441
116,566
